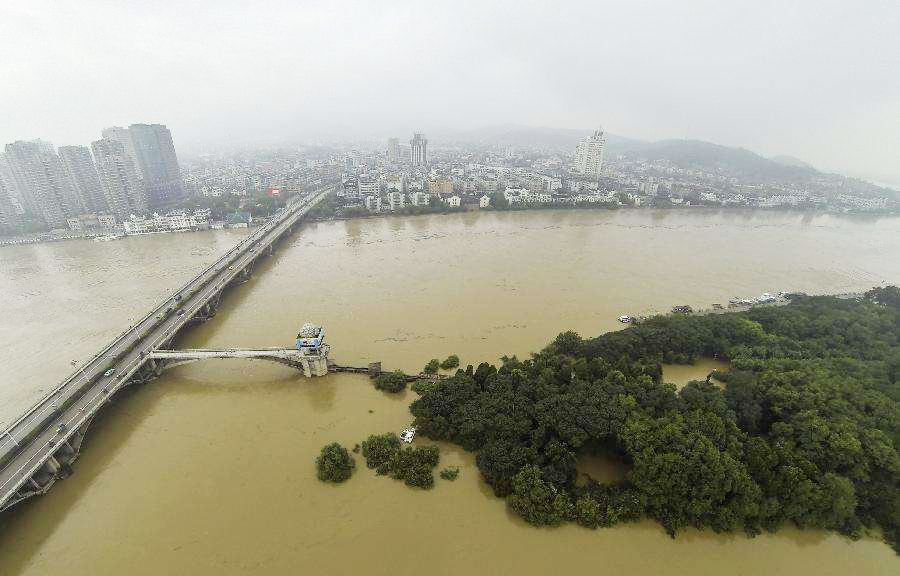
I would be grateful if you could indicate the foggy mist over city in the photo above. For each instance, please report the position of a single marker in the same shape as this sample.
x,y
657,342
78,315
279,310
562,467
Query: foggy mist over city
x,y
815,80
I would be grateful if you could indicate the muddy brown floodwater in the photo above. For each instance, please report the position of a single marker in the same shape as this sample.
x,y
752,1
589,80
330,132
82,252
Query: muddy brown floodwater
x,y
209,469
681,374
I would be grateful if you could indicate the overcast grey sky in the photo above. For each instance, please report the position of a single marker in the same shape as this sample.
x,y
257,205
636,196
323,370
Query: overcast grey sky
x,y
816,79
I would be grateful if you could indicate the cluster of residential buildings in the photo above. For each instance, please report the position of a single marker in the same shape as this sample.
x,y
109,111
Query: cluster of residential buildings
x,y
248,172
128,171
471,177
454,177
174,221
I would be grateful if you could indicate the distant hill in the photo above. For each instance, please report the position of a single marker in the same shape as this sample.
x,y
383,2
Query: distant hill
x,y
699,155
791,161
748,166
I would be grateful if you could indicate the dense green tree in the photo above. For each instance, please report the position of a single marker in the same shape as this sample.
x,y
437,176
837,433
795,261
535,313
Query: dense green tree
x,y
538,501
568,343
452,361
415,465
587,512
387,456
432,367
391,381
379,449
334,464
450,473
423,385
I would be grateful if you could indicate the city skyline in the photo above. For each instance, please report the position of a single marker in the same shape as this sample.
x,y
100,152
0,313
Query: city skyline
x,y
813,81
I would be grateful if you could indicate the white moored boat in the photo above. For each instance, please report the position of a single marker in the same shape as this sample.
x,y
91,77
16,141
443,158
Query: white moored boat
x,y
408,434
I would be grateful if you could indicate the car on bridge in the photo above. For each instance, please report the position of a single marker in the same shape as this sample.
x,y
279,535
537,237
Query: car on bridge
x,y
109,372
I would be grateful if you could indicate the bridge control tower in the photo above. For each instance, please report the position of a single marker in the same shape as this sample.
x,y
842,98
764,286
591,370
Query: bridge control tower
x,y
313,350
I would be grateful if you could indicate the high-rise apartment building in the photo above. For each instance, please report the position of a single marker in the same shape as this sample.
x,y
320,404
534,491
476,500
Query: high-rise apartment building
x,y
589,154
418,150
152,150
157,163
9,216
83,175
122,188
393,149
123,137
9,183
43,183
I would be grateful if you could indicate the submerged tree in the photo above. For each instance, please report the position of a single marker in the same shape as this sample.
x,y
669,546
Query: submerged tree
x,y
450,473
432,366
391,381
378,449
334,464
537,501
414,466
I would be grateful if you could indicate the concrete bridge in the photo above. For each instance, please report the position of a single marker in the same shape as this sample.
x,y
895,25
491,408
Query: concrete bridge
x,y
39,447
311,363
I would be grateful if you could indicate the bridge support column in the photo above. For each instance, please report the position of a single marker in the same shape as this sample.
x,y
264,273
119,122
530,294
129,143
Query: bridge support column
x,y
314,365
208,311
52,465
320,366
154,366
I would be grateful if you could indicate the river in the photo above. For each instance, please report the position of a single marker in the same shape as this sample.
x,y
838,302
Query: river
x,y
209,469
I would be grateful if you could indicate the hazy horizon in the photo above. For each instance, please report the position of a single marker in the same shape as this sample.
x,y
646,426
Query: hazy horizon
x,y
814,80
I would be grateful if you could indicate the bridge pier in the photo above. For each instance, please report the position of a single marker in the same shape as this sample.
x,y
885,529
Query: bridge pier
x,y
314,365
52,465
207,311
65,449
